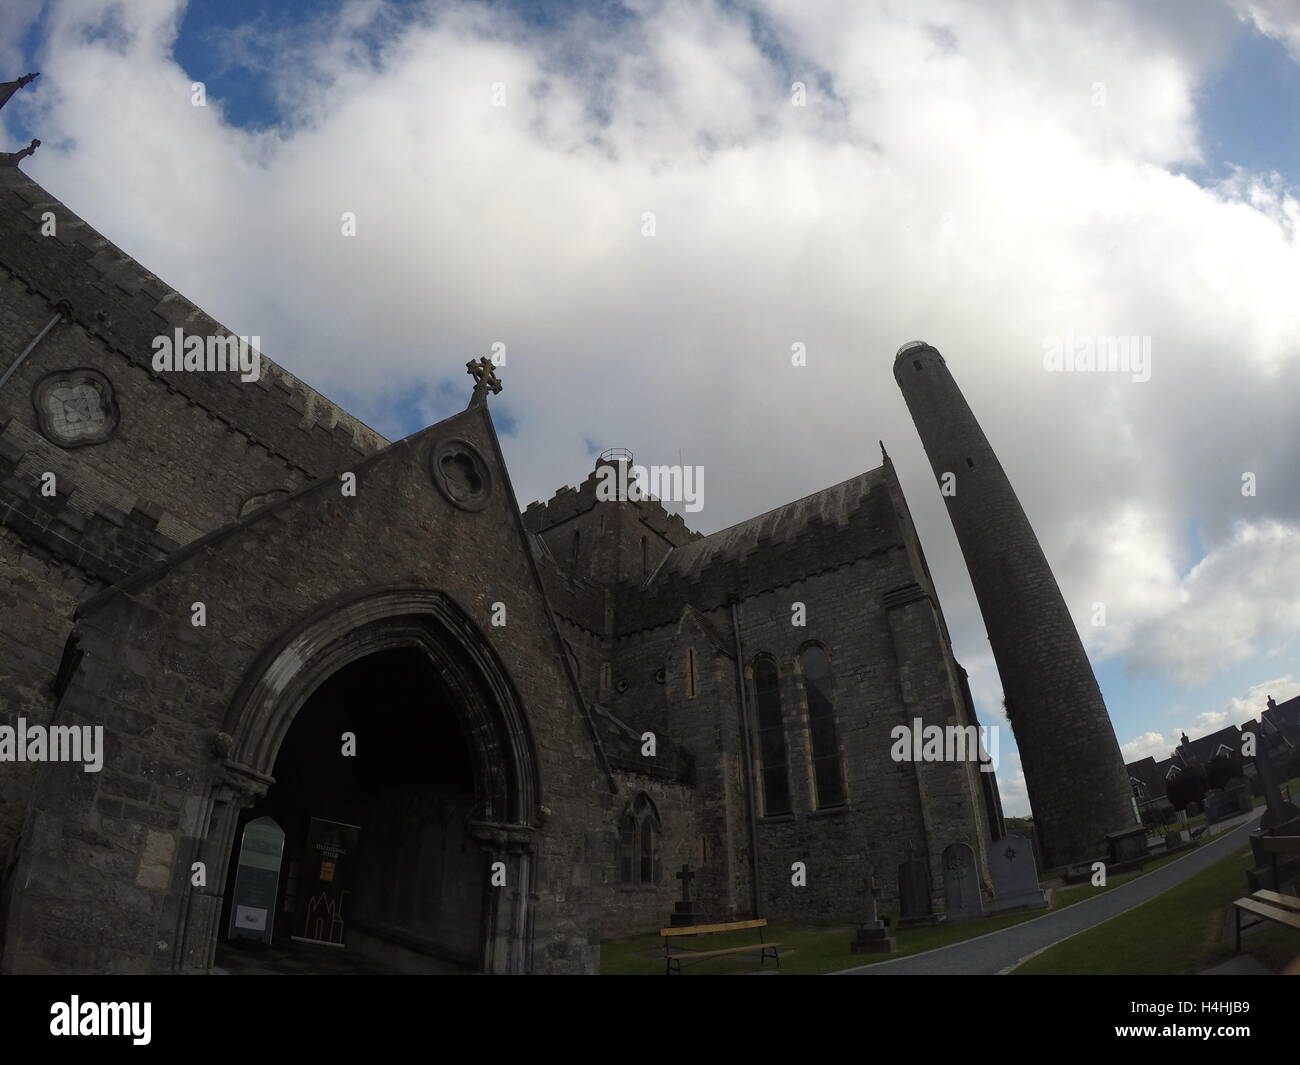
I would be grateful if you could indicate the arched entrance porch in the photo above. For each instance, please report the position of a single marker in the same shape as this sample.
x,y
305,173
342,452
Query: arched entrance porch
x,y
410,676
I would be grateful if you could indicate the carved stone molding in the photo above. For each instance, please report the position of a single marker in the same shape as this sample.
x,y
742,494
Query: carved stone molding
x,y
75,407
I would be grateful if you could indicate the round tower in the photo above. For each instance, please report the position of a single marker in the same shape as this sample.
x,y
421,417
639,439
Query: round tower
x,y
1074,771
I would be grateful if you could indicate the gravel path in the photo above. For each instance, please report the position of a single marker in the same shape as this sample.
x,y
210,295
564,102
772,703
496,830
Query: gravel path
x,y
1001,951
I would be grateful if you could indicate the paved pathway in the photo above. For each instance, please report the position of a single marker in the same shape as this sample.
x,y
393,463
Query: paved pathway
x,y
998,952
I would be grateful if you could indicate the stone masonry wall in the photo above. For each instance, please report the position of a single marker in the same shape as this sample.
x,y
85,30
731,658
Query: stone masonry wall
x,y
105,872
1073,767
629,909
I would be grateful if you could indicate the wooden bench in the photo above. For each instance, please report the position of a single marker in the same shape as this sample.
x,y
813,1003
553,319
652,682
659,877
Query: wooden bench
x,y
1268,906
709,929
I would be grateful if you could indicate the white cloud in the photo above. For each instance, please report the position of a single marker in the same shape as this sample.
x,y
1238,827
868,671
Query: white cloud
x,y
1210,721
1279,19
951,178
1148,745
1237,603
1255,701
1012,788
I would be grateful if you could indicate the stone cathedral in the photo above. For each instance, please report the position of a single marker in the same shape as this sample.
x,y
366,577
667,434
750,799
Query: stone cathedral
x,y
248,645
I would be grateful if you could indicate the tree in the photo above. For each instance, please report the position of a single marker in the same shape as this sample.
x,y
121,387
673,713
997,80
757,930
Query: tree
x,y
1223,767
1188,786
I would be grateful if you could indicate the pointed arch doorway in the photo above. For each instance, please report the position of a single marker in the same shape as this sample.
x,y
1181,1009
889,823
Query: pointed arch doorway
x,y
389,712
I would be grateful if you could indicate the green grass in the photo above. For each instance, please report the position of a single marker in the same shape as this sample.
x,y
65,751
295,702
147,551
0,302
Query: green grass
x,y
1179,931
805,949
1068,896
811,949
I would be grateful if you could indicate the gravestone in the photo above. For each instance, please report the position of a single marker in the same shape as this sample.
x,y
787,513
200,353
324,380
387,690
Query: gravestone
x,y
684,912
961,882
1015,876
1216,808
1278,810
914,893
252,910
1280,818
1240,791
873,934
1130,845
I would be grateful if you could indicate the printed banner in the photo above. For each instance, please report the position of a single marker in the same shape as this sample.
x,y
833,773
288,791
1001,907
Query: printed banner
x,y
326,860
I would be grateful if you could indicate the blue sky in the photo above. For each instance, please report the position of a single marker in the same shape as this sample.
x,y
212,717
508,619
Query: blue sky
x,y
952,177
1249,109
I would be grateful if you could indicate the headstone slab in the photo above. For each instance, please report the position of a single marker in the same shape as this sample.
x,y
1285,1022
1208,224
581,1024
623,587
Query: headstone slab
x,y
961,882
873,941
914,893
1128,845
1015,875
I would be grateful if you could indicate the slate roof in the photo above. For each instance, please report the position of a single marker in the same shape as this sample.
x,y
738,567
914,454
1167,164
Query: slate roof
x,y
833,506
1285,717
1205,748
1148,774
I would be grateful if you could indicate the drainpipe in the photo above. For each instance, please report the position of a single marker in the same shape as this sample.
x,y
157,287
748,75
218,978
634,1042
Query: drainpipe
x,y
749,762
63,311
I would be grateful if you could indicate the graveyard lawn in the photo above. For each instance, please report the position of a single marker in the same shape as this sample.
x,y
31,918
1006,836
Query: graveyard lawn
x,y
1179,931
805,949
812,949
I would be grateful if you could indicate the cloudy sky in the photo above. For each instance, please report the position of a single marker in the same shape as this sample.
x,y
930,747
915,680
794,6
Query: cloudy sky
x,y
985,176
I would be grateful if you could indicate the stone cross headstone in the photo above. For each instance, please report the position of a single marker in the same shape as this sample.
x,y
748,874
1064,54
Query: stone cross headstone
x,y
873,935
1278,809
961,882
684,911
873,898
1015,875
914,892
1280,818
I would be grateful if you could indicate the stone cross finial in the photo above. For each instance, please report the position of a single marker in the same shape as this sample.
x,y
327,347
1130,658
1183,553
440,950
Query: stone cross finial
x,y
485,377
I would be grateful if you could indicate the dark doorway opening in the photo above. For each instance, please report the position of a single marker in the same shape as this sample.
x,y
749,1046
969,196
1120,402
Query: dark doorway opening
x,y
413,896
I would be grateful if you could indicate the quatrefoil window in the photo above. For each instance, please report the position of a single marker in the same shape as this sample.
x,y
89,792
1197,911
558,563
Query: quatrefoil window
x,y
461,474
